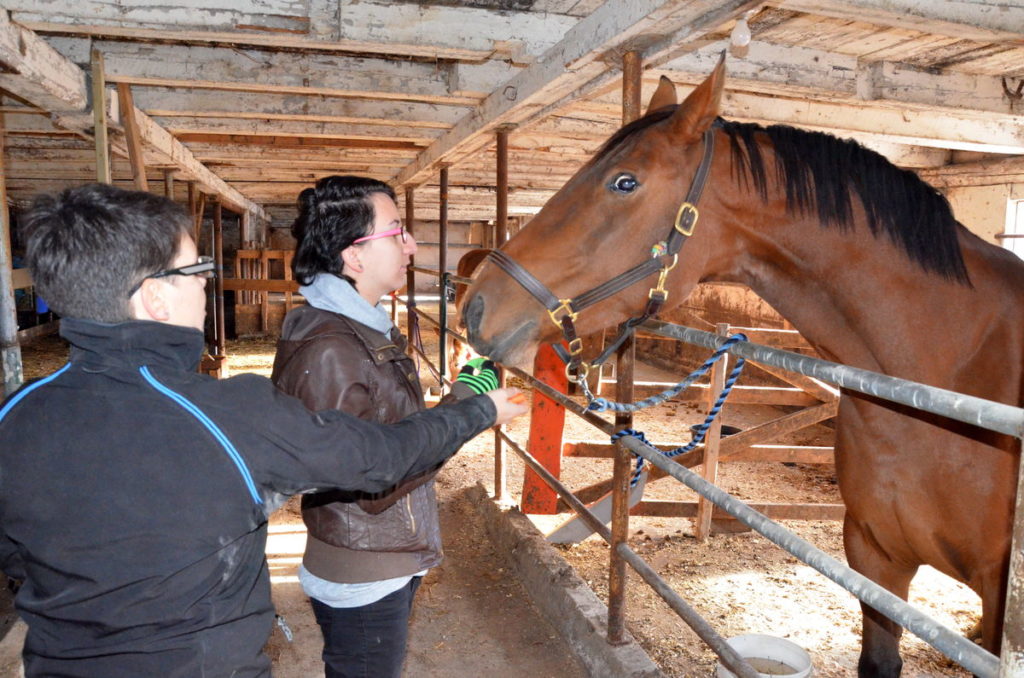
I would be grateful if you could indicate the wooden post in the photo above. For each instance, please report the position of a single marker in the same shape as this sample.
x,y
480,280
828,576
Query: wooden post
x,y
442,267
625,358
712,442
99,114
547,421
131,132
197,228
10,349
169,184
501,226
265,294
218,299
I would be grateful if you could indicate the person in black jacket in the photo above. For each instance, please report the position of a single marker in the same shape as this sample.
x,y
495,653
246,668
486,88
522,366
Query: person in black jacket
x,y
135,492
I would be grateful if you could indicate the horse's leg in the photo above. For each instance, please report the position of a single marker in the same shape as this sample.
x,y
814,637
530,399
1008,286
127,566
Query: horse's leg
x,y
880,648
993,607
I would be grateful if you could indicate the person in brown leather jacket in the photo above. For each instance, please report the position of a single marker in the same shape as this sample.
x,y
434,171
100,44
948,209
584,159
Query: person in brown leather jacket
x,y
365,555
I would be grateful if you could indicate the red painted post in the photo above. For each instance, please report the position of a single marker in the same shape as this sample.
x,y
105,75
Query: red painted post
x,y
547,419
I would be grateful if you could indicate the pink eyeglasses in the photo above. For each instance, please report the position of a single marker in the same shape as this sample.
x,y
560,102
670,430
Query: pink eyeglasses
x,y
395,231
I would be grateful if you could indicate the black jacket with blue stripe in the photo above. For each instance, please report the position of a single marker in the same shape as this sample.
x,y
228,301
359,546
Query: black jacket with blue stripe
x,y
134,496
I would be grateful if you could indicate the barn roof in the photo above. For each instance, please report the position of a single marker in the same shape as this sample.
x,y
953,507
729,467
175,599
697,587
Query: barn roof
x,y
253,100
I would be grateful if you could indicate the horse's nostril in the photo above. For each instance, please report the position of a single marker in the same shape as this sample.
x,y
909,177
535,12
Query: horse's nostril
x,y
472,313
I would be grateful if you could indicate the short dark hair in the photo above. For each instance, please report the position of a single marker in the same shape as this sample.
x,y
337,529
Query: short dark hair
x,y
88,246
332,215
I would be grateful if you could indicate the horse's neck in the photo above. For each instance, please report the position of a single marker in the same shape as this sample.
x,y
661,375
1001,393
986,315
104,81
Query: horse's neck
x,y
861,302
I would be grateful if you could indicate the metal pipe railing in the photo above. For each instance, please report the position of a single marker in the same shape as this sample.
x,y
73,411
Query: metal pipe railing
x,y
1000,417
700,626
969,409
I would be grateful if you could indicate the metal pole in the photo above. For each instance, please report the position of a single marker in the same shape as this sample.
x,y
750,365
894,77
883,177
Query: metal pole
x,y
442,266
10,349
1011,659
218,253
410,274
970,409
950,643
625,361
501,228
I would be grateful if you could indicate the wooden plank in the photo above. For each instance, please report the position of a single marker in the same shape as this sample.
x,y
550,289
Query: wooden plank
x,y
983,20
770,431
688,509
37,73
99,93
22,278
802,454
47,79
131,132
712,442
44,330
815,387
564,68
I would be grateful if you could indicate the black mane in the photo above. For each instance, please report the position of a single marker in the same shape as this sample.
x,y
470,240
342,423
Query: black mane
x,y
821,172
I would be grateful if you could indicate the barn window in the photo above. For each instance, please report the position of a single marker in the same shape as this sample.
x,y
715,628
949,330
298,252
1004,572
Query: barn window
x,y
1013,237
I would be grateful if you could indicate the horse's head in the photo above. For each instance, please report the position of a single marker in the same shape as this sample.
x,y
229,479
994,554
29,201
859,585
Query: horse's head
x,y
603,222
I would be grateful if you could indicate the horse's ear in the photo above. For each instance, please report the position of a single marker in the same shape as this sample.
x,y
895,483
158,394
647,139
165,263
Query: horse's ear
x,y
701,107
664,96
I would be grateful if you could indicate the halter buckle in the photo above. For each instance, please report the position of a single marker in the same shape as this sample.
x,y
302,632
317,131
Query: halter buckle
x,y
576,347
563,305
685,210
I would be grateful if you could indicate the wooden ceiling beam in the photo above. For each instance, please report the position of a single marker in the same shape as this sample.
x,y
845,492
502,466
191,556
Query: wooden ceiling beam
x,y
47,79
982,20
397,29
165,102
566,67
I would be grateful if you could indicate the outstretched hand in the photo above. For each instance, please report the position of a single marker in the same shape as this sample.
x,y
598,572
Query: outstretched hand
x,y
510,403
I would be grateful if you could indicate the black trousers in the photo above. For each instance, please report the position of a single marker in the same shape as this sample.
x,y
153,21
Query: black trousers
x,y
367,641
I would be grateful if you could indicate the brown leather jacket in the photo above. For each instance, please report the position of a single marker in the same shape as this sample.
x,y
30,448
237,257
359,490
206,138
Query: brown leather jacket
x,y
330,361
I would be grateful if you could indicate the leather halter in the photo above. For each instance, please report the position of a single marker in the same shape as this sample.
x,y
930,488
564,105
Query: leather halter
x,y
563,312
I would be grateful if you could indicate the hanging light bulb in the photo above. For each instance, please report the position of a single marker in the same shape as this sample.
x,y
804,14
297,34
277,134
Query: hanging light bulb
x,y
739,40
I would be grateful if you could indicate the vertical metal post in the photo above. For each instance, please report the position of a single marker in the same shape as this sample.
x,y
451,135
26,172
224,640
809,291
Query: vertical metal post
x,y
218,306
10,350
712,442
410,275
99,114
442,266
500,229
1011,657
625,357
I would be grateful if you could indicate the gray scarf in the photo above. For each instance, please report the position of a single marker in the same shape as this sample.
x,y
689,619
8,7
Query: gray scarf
x,y
330,293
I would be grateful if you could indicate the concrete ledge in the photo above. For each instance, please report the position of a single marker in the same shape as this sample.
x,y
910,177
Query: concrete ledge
x,y
563,597
10,651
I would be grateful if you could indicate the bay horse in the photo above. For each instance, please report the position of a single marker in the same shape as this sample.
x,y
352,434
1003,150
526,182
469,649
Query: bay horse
x,y
459,352
867,262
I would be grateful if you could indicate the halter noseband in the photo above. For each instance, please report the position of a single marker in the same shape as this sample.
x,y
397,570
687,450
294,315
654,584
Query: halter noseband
x,y
563,312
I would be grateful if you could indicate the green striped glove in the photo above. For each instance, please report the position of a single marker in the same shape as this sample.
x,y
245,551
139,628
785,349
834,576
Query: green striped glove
x,y
480,375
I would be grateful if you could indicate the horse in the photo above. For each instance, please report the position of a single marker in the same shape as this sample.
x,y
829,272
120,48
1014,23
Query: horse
x,y
459,352
867,262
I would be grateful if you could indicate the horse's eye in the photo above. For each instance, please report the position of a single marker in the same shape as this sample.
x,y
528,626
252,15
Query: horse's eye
x,y
624,183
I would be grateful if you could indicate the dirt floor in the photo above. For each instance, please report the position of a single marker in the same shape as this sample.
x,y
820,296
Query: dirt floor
x,y
472,617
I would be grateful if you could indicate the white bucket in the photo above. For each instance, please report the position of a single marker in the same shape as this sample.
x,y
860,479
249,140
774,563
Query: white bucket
x,y
770,656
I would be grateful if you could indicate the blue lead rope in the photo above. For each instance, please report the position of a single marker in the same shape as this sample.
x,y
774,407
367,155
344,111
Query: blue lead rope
x,y
603,404
701,430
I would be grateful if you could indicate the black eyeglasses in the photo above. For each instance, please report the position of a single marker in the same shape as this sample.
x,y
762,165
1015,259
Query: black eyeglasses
x,y
205,267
